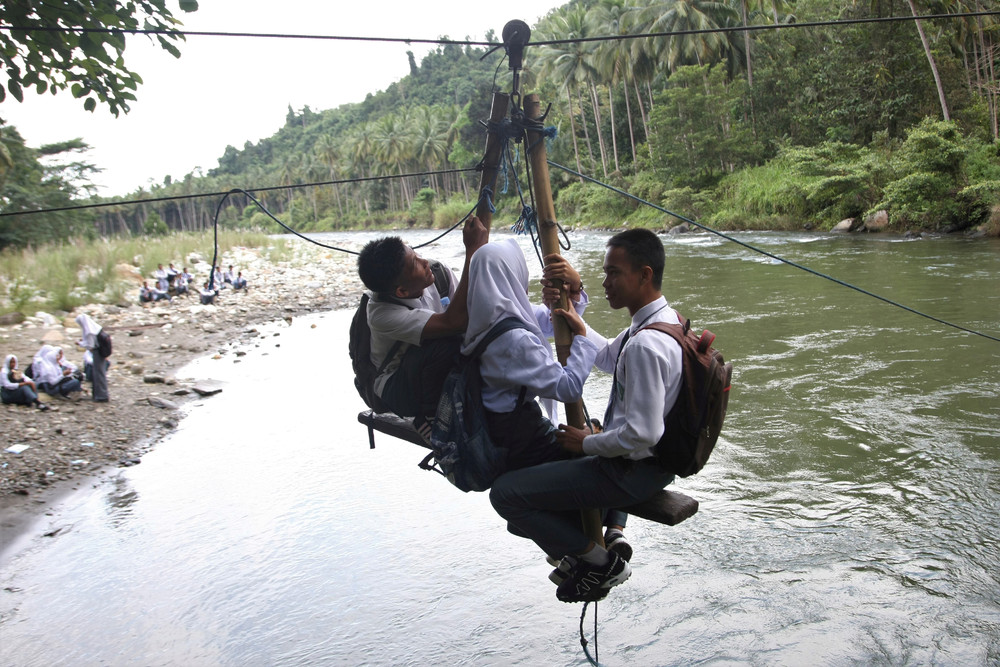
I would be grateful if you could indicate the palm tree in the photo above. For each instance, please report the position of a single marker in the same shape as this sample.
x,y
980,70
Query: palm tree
x,y
288,174
393,148
930,59
571,64
430,140
327,152
680,16
545,58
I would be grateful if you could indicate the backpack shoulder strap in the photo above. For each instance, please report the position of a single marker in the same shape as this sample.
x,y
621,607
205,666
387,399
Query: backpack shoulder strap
x,y
500,327
363,312
442,278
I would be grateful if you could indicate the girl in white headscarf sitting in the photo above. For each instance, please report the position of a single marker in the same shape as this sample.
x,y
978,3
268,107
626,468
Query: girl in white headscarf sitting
x,y
15,388
519,365
53,374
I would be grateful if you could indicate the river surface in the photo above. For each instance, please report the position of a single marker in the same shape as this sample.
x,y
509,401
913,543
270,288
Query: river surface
x,y
849,516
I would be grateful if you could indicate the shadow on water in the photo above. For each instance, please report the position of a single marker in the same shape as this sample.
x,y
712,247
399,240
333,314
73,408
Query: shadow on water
x,y
848,517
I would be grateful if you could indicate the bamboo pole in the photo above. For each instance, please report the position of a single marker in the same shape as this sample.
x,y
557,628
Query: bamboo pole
x,y
491,158
548,234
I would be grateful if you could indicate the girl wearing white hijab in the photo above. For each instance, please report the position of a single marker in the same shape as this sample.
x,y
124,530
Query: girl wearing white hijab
x,y
89,341
498,289
15,388
54,374
46,371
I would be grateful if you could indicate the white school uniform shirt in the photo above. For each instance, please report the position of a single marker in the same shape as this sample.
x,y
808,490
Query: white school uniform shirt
x,y
161,278
390,322
498,284
649,379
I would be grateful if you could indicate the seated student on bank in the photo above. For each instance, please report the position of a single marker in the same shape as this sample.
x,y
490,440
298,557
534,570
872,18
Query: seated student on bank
x,y
149,294
53,374
217,282
405,307
162,281
180,284
172,274
15,388
239,282
619,466
207,295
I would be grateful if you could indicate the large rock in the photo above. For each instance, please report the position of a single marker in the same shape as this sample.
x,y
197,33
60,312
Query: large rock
x,y
207,388
846,225
46,319
877,221
158,402
12,318
53,337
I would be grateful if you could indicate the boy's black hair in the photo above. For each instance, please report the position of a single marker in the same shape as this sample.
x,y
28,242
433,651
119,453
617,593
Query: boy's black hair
x,y
380,264
643,248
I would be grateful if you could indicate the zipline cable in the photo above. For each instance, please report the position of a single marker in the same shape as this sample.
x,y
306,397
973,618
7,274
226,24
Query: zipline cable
x,y
772,255
218,209
272,188
455,42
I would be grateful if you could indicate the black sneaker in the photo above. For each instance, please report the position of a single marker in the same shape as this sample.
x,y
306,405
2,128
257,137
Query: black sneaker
x,y
561,571
616,542
591,583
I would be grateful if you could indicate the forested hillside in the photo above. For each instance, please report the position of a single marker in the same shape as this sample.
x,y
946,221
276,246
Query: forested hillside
x,y
828,110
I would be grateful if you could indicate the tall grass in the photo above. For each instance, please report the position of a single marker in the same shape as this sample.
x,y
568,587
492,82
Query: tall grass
x,y
64,276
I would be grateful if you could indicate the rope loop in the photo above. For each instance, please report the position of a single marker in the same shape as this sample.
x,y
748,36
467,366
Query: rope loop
x,y
527,223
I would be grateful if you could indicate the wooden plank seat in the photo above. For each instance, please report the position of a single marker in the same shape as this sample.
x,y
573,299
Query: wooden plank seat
x,y
666,507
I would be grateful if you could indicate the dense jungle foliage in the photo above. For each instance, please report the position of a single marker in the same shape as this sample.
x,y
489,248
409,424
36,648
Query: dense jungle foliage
x,y
778,128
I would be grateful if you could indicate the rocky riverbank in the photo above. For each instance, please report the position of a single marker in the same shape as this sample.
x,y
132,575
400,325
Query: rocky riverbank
x,y
78,439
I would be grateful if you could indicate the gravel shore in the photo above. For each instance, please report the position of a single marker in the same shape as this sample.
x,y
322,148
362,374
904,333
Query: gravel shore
x,y
79,439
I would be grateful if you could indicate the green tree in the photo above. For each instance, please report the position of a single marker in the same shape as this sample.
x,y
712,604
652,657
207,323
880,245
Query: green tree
x,y
43,46
678,16
45,178
700,134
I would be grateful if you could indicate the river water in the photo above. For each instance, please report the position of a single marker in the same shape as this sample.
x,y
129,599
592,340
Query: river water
x,y
849,515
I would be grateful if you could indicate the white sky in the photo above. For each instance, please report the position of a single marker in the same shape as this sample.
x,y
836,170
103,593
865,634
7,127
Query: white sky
x,y
232,90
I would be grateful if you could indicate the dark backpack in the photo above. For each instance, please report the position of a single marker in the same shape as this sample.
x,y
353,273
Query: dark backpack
x,y
461,446
103,343
360,344
692,426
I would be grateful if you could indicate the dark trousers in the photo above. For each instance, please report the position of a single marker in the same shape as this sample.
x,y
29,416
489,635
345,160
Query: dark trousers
x,y
99,384
415,387
526,434
23,395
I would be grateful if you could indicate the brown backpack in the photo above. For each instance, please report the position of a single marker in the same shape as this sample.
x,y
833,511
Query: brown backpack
x,y
692,426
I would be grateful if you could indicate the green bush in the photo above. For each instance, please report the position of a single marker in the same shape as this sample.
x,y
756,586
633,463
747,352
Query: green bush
x,y
920,198
422,208
447,214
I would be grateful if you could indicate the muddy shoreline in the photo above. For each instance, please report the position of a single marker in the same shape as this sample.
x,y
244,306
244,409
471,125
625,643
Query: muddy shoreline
x,y
78,442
